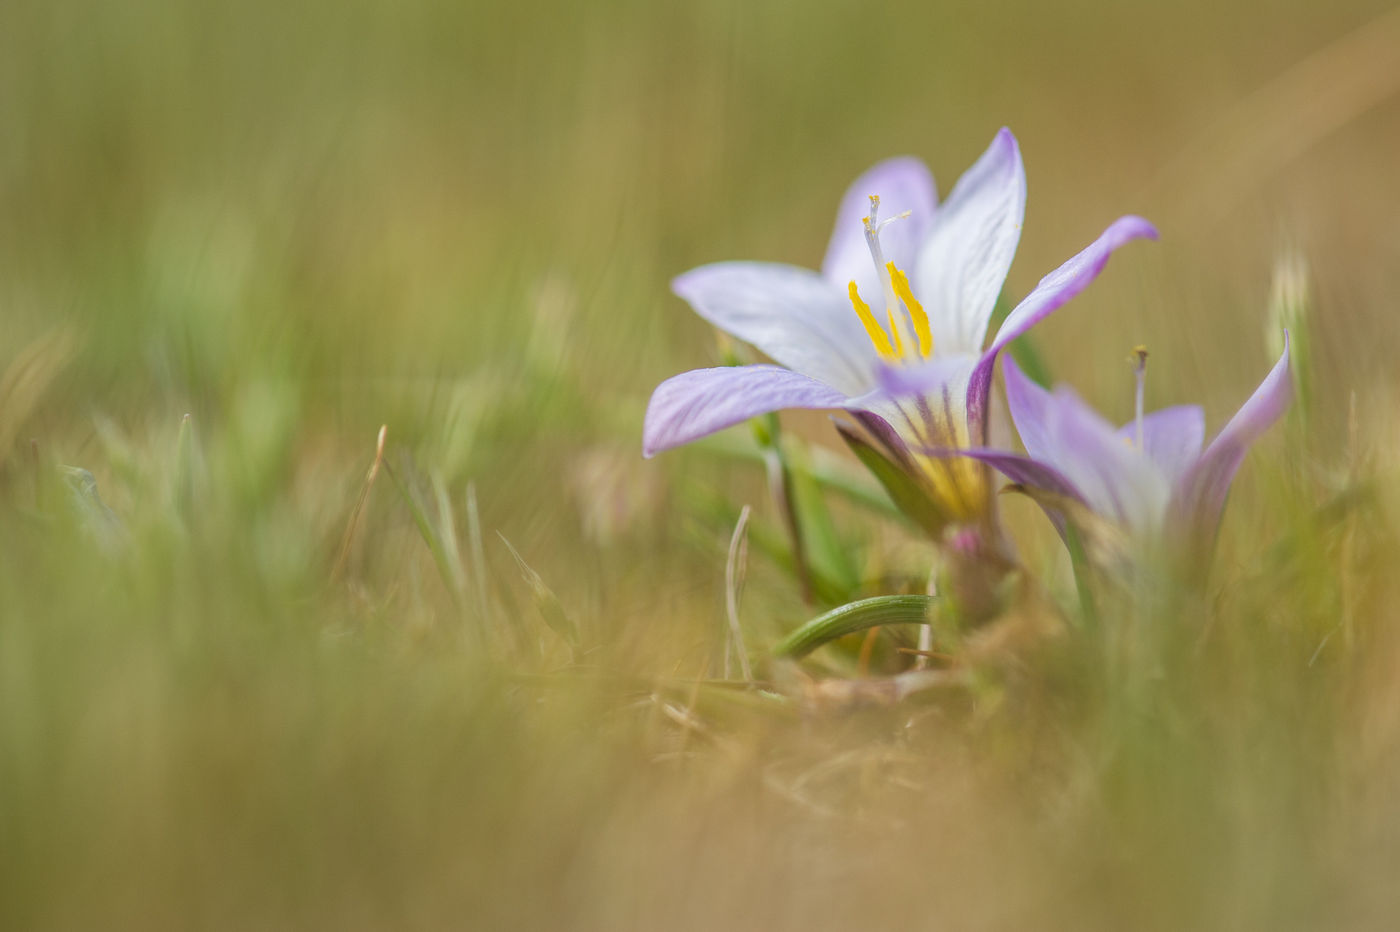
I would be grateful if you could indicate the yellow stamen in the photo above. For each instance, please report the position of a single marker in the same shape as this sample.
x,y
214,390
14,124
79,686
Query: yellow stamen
x,y
916,310
877,335
894,329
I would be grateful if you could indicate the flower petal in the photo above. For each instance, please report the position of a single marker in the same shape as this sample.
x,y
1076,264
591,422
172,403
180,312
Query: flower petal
x,y
925,403
1171,438
902,184
792,314
694,404
1025,470
1055,494
1030,411
963,262
1053,291
1115,478
1060,431
1200,497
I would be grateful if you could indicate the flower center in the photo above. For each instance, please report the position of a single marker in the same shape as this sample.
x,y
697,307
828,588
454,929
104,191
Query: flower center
x,y
908,323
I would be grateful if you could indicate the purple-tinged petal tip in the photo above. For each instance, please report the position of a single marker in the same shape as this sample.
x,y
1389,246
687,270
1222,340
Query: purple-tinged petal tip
x,y
1200,497
695,404
1053,292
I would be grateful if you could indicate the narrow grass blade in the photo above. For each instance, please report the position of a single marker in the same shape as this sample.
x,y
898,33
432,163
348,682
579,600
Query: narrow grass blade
x,y
425,529
734,569
478,553
826,552
27,378
548,604
447,533
184,469
857,616
350,526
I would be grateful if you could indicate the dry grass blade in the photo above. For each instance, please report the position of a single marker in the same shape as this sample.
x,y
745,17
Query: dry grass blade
x,y
551,609
348,538
478,557
734,570
26,380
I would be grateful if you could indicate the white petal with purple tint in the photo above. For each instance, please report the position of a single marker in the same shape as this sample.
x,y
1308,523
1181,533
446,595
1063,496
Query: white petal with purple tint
x,y
792,314
902,184
1171,437
963,263
1116,479
694,404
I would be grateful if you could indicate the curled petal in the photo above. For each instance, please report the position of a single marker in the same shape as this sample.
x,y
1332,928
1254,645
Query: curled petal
x,y
1053,291
902,184
695,404
963,263
792,314
1200,497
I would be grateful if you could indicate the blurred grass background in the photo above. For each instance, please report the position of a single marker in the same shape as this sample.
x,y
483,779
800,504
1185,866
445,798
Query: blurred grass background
x,y
297,222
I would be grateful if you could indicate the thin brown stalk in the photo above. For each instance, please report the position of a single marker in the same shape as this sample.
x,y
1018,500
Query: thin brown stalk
x,y
353,524
734,570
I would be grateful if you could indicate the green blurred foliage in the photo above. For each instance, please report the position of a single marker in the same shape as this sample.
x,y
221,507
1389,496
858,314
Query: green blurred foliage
x,y
295,222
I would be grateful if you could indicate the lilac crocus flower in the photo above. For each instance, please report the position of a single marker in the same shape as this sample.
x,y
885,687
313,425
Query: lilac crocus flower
x,y
932,273
1150,478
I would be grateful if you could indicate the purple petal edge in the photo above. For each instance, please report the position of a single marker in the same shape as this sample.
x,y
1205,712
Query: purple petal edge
x,y
1025,470
1029,472
1200,498
695,404
1053,291
880,429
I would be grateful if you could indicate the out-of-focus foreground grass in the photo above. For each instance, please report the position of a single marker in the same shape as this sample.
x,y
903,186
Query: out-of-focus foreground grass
x,y
297,222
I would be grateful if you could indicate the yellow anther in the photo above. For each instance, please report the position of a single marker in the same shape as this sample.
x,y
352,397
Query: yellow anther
x,y
916,310
877,335
1138,358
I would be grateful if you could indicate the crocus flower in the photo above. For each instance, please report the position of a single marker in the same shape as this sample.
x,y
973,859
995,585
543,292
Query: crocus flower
x,y
1149,478
906,285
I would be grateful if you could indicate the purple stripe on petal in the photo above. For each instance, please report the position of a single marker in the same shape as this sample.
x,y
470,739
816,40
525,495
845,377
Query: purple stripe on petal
x,y
1200,497
902,184
694,404
1053,291
924,402
880,429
